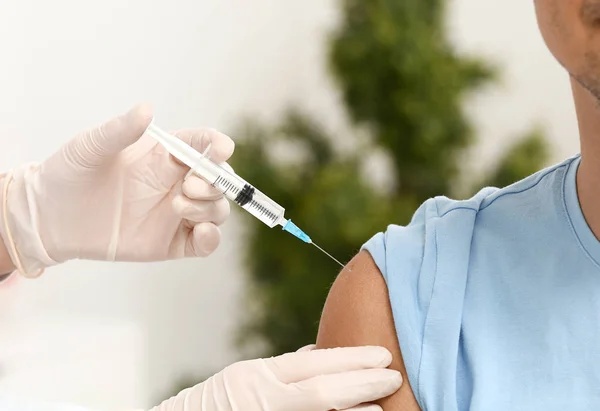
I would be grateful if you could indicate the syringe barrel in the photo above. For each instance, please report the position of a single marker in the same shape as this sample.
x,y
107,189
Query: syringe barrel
x,y
240,192
230,184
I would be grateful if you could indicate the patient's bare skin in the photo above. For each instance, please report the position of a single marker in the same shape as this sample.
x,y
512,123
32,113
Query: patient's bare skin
x,y
357,312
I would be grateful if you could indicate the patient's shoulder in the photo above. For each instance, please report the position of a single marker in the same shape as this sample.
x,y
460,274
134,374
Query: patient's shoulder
x,y
384,295
358,312
357,305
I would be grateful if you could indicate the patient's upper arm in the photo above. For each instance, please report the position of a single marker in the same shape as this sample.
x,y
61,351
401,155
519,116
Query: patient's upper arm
x,y
358,312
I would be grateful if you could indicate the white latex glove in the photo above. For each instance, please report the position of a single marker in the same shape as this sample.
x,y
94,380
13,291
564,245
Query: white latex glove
x,y
111,194
319,380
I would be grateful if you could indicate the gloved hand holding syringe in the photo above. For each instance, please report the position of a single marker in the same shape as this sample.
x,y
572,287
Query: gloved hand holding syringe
x,y
230,184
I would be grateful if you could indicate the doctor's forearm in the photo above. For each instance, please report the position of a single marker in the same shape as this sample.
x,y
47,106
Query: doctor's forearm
x,y
6,264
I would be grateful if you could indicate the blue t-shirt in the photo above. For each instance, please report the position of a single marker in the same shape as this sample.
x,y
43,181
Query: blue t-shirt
x,y
496,299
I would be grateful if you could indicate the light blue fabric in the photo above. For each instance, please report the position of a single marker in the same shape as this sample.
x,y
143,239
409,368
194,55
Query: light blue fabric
x,y
496,300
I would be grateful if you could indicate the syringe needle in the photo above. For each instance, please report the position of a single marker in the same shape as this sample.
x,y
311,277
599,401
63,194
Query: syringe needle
x,y
328,255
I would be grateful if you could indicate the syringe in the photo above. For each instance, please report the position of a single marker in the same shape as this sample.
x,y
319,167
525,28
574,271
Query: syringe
x,y
231,185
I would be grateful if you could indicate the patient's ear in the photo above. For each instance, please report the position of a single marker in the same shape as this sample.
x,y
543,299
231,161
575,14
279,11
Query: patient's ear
x,y
357,312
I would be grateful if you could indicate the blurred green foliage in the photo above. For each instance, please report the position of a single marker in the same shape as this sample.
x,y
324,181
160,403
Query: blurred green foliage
x,y
404,83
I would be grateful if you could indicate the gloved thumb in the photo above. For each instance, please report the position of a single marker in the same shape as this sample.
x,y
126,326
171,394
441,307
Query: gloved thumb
x,y
310,347
96,145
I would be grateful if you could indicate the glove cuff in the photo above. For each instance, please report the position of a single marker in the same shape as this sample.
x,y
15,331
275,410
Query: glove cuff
x,y
19,228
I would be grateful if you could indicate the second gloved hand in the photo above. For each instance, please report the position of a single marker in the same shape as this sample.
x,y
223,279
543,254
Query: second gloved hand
x,y
113,194
319,380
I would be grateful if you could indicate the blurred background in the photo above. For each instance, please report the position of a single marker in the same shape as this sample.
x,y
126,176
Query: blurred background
x,y
349,113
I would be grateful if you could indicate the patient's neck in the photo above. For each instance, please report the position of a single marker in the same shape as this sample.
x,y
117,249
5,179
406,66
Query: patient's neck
x,y
588,176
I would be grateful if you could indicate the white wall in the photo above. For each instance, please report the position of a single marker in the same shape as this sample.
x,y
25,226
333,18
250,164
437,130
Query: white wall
x,y
533,89
40,359
70,64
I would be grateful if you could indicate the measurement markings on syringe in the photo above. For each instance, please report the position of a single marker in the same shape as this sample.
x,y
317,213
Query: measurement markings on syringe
x,y
244,197
263,210
226,185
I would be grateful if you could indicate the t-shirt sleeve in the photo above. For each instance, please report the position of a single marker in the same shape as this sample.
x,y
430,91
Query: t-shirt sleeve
x,y
425,266
401,254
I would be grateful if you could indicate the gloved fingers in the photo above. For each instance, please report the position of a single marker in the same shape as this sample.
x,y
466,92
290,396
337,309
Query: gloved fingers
x,y
202,240
197,189
348,389
365,407
227,167
91,148
294,367
310,347
221,145
201,211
